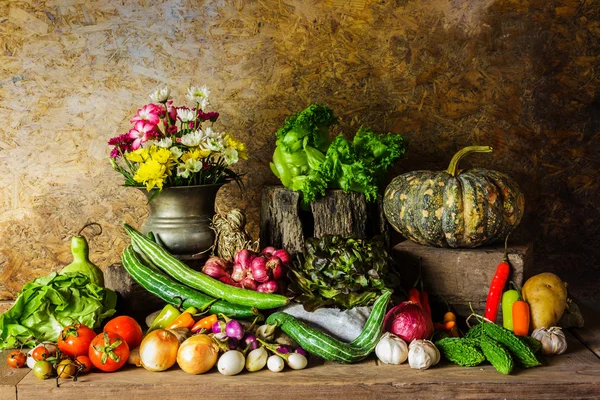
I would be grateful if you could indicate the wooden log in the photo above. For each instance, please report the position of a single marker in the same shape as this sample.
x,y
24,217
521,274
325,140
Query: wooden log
x,y
133,300
285,224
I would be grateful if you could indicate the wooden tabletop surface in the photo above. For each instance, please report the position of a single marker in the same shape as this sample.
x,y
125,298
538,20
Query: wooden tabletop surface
x,y
574,375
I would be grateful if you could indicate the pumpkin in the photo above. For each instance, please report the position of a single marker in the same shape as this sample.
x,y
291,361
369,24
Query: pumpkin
x,y
454,208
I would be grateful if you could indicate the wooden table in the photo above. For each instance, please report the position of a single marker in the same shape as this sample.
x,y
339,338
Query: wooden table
x,y
574,375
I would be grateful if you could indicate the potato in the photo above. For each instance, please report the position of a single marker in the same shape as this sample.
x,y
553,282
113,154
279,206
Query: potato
x,y
546,294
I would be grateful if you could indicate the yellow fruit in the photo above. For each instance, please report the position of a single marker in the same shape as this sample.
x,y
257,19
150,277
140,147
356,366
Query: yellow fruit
x,y
546,294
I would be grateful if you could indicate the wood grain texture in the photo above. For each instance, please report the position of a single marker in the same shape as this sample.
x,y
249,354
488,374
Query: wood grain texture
x,y
9,377
574,375
518,75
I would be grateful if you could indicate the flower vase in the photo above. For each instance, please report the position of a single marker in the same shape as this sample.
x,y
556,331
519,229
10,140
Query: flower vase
x,y
180,218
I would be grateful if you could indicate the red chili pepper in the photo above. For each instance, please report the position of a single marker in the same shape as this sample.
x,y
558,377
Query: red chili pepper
x,y
497,287
414,295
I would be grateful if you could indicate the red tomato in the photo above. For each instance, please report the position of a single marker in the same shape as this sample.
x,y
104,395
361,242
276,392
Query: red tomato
x,y
84,364
75,340
127,328
40,353
16,359
108,352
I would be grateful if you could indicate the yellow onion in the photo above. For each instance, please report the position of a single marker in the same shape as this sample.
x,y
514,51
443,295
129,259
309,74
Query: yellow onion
x,y
158,351
197,354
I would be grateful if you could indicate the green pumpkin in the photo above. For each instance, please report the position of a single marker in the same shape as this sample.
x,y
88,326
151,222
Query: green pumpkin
x,y
454,208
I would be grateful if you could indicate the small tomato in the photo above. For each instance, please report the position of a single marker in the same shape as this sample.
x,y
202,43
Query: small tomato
x,y
40,353
66,369
84,364
16,359
43,369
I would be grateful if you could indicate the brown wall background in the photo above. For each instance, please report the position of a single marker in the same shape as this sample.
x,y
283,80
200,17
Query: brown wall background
x,y
522,76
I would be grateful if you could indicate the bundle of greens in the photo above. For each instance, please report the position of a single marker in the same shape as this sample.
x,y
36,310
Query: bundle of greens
x,y
340,271
307,162
48,304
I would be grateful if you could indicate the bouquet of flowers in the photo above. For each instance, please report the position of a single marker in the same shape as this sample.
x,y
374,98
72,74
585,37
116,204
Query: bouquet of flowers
x,y
176,146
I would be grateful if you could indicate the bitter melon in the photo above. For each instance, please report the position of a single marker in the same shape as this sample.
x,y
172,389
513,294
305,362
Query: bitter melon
x,y
460,351
497,355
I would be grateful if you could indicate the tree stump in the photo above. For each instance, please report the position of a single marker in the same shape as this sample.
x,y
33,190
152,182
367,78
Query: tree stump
x,y
132,299
284,224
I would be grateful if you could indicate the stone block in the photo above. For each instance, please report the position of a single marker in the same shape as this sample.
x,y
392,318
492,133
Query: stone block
x,y
461,276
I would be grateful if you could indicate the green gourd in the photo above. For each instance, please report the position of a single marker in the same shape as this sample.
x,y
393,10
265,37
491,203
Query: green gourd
x,y
81,261
460,351
497,355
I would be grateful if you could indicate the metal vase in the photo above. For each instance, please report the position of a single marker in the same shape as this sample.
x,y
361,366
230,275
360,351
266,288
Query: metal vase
x,y
180,219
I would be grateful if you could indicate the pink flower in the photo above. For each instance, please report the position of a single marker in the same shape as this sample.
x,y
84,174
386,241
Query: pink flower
x,y
142,132
212,116
149,113
171,130
172,110
122,144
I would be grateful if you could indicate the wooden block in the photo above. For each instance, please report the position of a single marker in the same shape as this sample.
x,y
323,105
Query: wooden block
x,y
285,224
461,276
9,377
133,300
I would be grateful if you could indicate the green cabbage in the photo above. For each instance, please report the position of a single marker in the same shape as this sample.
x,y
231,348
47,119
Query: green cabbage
x,y
48,304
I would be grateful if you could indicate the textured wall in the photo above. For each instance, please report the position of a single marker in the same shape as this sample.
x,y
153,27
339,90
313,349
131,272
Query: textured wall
x,y
519,75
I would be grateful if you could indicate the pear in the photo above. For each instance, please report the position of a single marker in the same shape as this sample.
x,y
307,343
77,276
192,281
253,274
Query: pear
x,y
81,261
546,294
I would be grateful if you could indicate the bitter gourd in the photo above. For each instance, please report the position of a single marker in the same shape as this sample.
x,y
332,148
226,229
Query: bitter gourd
x,y
534,344
475,332
497,355
460,351
521,351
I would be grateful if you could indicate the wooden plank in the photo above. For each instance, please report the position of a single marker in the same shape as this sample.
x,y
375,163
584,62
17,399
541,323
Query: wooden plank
x,y
575,375
590,333
9,377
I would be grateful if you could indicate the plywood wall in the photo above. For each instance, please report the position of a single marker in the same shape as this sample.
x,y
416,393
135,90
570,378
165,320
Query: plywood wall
x,y
519,75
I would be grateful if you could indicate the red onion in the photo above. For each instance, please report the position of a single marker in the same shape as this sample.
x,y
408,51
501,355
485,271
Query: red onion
x,y
259,269
409,321
227,279
214,271
275,266
244,258
268,250
248,283
269,287
238,273
283,255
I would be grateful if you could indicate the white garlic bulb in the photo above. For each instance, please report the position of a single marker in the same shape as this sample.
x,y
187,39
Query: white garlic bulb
x,y
553,340
391,349
422,354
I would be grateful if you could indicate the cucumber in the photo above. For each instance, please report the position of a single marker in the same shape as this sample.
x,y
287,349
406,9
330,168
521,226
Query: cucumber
x,y
329,348
161,286
184,274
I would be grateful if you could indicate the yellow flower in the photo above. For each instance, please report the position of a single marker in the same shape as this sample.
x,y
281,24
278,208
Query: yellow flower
x,y
151,173
238,145
196,154
140,155
160,154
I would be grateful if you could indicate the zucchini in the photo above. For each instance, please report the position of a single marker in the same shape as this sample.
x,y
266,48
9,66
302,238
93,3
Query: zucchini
x,y
329,348
161,286
184,274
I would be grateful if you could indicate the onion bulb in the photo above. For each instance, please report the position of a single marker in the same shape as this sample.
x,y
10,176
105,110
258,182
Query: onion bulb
x,y
197,354
409,321
158,351
275,363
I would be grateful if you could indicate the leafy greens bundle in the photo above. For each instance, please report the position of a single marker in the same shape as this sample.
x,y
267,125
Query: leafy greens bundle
x,y
307,162
48,304
340,271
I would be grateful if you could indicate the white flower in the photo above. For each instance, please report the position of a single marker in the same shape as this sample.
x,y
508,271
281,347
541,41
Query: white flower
x,y
213,144
160,95
176,151
192,139
199,95
186,115
190,166
231,155
212,134
164,142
